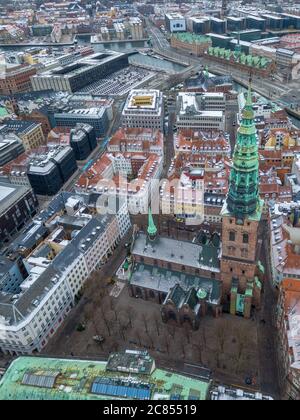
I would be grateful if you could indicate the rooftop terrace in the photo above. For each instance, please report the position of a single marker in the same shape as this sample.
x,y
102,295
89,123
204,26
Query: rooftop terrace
x,y
36,378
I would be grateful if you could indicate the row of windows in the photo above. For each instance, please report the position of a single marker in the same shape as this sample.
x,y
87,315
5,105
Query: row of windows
x,y
232,237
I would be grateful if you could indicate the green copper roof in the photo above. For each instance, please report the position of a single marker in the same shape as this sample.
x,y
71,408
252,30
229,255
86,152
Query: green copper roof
x,y
152,230
243,196
190,38
253,61
3,112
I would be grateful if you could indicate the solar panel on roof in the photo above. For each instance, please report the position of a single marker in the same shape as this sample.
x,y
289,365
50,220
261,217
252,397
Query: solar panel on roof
x,y
105,387
44,380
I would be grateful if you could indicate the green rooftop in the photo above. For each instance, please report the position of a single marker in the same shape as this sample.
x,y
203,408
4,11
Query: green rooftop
x,y
191,38
39,378
3,112
249,60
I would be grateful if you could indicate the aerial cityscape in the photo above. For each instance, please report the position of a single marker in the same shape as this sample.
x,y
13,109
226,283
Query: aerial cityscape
x,y
150,201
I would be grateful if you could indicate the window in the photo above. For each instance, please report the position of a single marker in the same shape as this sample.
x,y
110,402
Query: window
x,y
245,238
244,253
232,236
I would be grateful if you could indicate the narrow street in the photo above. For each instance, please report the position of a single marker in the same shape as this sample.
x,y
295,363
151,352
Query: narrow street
x,y
266,332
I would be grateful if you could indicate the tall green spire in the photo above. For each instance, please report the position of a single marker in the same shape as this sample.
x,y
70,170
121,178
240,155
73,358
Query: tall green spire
x,y
152,230
243,196
206,74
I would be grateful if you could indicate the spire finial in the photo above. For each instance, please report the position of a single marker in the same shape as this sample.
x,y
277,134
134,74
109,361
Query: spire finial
x,y
249,95
152,230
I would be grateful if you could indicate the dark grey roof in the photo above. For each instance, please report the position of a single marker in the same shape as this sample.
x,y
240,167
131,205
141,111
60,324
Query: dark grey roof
x,y
25,303
5,266
10,194
18,126
162,280
179,252
29,237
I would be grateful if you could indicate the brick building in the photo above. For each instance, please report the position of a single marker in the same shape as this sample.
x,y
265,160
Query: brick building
x,y
16,79
288,324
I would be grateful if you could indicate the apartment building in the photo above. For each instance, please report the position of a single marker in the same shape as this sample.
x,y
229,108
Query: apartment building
x,y
126,176
284,222
133,140
288,323
32,316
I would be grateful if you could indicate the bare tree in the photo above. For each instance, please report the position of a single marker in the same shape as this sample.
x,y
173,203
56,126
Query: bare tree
x,y
242,342
167,343
199,348
106,320
203,334
122,329
88,312
187,334
222,331
157,323
145,322
151,339
138,335
171,331
131,313
182,345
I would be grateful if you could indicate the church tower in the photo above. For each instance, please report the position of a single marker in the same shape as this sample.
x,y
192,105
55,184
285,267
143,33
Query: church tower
x,y
241,215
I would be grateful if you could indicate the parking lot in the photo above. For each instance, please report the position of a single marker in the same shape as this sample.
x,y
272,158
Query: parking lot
x,y
120,83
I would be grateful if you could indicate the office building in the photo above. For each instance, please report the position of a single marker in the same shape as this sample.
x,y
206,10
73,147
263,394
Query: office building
x,y
218,26
49,169
175,22
201,111
30,133
83,141
131,375
285,57
77,75
200,26
11,147
274,22
235,24
144,109
98,118
15,79
18,205
256,22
